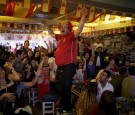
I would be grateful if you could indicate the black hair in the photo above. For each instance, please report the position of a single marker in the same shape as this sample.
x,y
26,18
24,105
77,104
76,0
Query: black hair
x,y
122,70
131,70
108,73
107,104
18,52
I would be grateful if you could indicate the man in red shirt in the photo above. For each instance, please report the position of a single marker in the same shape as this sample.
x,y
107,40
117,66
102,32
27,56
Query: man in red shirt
x,y
66,58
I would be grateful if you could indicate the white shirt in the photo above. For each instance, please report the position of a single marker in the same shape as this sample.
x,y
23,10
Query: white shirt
x,y
80,74
52,72
98,61
101,89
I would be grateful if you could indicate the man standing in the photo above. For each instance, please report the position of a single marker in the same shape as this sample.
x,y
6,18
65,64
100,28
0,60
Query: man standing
x,y
66,58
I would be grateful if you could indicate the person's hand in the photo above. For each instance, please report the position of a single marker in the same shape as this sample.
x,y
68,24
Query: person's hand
x,y
25,60
38,72
28,67
84,11
84,59
9,65
10,97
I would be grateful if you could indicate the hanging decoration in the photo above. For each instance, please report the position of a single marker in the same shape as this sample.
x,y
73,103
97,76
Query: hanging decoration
x,y
8,25
63,7
46,5
78,10
112,16
133,19
91,14
15,10
27,3
15,25
103,14
23,26
3,1
123,17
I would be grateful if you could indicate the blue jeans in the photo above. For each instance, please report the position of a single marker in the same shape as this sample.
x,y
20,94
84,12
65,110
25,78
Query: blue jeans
x,y
64,77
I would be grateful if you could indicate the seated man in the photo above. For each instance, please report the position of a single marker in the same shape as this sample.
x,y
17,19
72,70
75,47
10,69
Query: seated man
x,y
103,83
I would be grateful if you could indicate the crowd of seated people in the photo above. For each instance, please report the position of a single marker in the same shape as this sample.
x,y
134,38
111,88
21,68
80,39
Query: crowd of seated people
x,y
25,68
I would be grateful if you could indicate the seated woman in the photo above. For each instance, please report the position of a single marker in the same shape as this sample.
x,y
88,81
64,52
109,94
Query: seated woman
x,y
7,90
87,99
107,105
11,90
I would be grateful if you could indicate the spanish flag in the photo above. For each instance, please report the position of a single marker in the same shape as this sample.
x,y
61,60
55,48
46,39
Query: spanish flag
x,y
3,1
15,25
63,7
18,9
133,19
91,13
15,10
8,25
30,27
103,14
23,26
112,16
123,17
27,3
78,10
45,5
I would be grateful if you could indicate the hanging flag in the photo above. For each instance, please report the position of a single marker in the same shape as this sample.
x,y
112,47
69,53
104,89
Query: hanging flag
x,y
15,10
23,26
3,1
103,14
123,17
112,16
119,30
35,27
78,10
45,5
109,31
125,29
131,28
104,32
27,3
133,19
20,10
15,25
91,13
8,25
0,26
114,31
63,7
30,26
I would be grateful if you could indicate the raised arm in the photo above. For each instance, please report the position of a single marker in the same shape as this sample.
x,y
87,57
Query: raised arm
x,y
34,81
50,31
41,64
84,66
82,21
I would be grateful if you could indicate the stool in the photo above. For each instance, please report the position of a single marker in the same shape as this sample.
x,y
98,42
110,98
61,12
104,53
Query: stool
x,y
33,96
48,107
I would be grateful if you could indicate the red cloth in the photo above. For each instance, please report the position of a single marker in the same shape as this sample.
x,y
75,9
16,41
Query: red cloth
x,y
67,49
43,88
